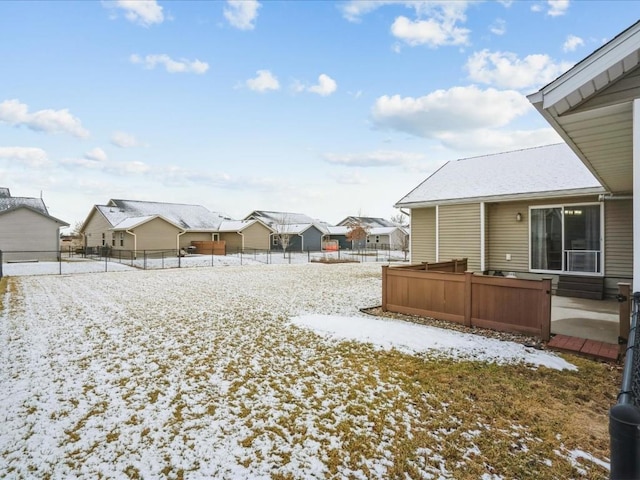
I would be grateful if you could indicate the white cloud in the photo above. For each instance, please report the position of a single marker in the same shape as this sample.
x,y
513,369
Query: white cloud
x,y
349,178
264,81
170,65
431,32
459,108
242,14
142,12
557,7
572,43
50,121
325,86
124,140
30,156
498,27
379,158
128,168
96,154
491,141
355,9
505,69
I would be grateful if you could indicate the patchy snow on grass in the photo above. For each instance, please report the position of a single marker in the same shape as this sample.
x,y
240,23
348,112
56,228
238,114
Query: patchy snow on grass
x,y
201,373
412,338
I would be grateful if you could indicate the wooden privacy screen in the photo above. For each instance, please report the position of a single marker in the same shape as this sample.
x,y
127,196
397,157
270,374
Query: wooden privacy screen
x,y
499,303
209,247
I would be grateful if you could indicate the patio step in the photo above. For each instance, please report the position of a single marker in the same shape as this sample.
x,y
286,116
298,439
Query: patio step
x,y
589,348
580,287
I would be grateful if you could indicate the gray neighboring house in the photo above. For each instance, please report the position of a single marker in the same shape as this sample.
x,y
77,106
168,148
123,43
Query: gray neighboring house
x,y
27,229
303,232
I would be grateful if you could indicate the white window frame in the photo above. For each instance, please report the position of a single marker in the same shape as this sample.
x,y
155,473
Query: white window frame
x,y
562,206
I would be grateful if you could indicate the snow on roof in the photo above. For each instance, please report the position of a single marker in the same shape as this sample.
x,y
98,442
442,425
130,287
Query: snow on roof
x,y
9,202
383,230
296,228
339,230
367,221
4,192
531,171
132,222
277,218
234,225
189,217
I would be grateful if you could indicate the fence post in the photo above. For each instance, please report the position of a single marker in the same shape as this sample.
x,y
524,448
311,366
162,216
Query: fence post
x,y
144,264
60,263
385,271
545,311
468,277
0,263
105,263
624,297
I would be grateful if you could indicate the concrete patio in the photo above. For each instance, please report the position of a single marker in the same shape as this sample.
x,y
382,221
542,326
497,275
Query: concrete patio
x,y
582,318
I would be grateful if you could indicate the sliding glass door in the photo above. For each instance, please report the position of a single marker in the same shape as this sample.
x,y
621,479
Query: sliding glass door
x,y
566,238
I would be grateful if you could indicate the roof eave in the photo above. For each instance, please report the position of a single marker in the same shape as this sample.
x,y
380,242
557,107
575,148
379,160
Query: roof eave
x,y
578,192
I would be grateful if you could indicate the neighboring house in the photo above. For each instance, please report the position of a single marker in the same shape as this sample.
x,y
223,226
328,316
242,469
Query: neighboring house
x,y
26,227
302,232
535,212
138,225
392,238
595,107
243,235
300,237
339,234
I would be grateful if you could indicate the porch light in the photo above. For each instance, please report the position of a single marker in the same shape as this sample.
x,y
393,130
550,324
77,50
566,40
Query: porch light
x,y
518,217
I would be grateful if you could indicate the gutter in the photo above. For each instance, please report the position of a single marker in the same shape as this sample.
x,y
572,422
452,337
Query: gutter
x,y
135,242
178,240
610,197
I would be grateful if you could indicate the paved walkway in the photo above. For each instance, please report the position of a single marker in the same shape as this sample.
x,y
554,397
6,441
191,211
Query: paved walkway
x,y
590,348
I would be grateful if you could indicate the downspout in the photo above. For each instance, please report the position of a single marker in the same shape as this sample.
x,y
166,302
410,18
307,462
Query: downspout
x,y
636,200
437,233
178,240
135,242
242,242
482,237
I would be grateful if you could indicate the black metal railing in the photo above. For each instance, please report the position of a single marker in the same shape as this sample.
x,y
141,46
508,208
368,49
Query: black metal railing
x,y
624,417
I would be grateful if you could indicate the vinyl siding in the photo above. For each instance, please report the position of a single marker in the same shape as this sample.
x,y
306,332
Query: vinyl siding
x,y
94,228
618,243
256,237
232,241
422,243
156,234
460,233
187,238
25,230
507,236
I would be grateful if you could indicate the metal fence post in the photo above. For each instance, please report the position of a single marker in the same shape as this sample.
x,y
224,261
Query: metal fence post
x,y
1,264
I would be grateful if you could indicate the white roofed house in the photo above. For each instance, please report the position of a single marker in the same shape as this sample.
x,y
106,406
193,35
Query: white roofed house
x,y
595,107
297,231
381,233
534,212
27,229
139,225
245,235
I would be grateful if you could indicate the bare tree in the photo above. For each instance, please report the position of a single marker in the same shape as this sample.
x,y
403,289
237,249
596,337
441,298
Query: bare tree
x,y
400,219
282,233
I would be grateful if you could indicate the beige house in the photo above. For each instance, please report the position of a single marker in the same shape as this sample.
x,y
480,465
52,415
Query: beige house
x,y
534,212
243,235
27,231
137,225
595,107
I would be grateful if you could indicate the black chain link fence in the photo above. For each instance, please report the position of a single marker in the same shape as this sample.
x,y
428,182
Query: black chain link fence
x,y
624,417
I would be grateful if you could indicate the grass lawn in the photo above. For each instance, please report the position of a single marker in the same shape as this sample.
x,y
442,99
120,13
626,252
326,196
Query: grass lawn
x,y
199,373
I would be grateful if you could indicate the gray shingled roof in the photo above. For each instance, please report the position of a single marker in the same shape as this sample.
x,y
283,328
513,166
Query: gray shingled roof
x,y
532,172
189,217
9,202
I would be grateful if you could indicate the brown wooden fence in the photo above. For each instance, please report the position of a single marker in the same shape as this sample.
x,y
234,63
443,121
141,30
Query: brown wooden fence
x,y
499,303
209,247
456,265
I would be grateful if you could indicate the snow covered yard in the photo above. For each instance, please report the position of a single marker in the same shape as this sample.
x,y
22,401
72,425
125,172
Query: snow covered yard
x,y
270,371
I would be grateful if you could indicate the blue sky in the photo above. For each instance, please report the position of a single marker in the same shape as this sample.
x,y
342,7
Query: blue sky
x,y
324,108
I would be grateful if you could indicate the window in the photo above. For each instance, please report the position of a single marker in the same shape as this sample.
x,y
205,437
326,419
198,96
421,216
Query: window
x,y
113,239
275,241
122,239
566,238
103,239
216,237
